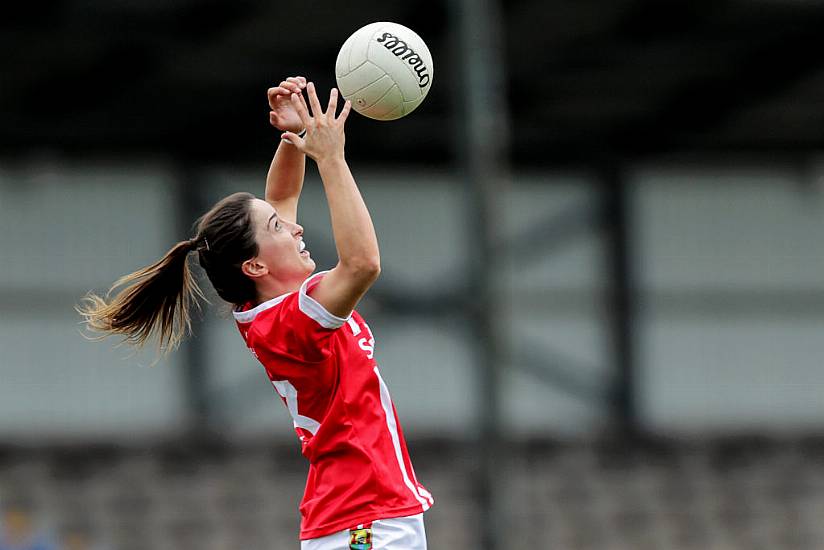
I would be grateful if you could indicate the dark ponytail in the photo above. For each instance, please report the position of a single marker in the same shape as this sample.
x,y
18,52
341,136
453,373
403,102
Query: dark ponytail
x,y
156,300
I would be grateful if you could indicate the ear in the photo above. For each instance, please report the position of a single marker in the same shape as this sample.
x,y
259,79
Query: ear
x,y
253,268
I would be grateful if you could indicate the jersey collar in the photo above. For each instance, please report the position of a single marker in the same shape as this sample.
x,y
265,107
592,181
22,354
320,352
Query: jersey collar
x,y
249,315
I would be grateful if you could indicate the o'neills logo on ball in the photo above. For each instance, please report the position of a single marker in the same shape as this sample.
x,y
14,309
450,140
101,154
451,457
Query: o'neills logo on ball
x,y
403,51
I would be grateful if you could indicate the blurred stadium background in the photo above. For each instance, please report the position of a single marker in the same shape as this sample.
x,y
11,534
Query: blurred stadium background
x,y
603,292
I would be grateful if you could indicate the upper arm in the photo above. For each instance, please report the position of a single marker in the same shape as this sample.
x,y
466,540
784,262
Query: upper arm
x,y
342,287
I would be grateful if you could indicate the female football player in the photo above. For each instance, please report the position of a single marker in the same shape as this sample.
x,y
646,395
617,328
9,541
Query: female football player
x,y
317,350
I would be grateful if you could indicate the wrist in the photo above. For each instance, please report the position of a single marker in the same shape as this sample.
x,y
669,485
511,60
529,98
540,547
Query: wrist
x,y
330,161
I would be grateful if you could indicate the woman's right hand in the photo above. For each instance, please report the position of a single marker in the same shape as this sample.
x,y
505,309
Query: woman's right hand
x,y
282,114
325,138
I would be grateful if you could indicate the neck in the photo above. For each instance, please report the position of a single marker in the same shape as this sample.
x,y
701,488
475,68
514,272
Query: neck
x,y
272,289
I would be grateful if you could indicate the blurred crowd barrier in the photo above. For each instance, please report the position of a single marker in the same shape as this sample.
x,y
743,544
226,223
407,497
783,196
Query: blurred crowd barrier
x,y
723,494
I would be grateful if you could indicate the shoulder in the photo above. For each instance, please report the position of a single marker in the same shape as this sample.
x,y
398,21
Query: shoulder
x,y
293,325
288,304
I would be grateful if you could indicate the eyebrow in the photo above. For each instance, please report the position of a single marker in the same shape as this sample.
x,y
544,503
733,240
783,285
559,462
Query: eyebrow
x,y
272,217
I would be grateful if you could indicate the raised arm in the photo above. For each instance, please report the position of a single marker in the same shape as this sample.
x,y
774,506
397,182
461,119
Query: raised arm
x,y
358,256
285,178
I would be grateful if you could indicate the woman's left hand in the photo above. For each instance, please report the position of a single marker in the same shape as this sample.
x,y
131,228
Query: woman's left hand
x,y
325,137
283,115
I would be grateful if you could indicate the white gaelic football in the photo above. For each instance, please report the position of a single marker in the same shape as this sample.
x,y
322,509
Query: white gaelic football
x,y
385,70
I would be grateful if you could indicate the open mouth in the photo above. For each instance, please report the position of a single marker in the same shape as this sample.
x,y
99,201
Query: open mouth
x,y
302,248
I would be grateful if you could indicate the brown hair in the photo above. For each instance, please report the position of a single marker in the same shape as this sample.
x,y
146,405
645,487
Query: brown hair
x,y
156,300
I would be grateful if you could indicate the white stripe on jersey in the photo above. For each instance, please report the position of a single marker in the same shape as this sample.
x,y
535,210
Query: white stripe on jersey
x,y
425,494
386,403
314,310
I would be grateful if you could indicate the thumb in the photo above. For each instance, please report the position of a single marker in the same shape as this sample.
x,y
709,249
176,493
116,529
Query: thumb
x,y
293,139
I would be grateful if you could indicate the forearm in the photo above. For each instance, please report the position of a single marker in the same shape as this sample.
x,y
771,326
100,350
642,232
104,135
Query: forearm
x,y
285,180
352,227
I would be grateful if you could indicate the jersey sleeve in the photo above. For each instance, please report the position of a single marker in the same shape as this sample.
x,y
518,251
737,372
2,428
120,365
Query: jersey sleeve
x,y
299,328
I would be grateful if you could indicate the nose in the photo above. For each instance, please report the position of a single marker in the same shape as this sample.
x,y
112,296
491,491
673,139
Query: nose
x,y
297,229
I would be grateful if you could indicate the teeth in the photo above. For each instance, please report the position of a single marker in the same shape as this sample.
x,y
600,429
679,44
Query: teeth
x,y
302,246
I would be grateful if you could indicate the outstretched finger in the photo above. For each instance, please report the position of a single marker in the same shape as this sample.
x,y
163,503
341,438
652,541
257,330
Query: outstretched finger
x,y
313,100
333,104
300,108
303,100
345,111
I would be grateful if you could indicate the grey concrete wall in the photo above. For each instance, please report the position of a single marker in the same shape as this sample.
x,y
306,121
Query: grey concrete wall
x,y
733,263
729,261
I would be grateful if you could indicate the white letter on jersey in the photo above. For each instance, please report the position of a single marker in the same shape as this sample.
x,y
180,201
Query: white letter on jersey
x,y
288,392
368,346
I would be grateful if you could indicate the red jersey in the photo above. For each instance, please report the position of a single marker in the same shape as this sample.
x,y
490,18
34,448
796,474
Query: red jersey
x,y
322,367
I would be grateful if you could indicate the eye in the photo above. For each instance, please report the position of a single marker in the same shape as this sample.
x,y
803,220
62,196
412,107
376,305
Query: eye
x,y
277,224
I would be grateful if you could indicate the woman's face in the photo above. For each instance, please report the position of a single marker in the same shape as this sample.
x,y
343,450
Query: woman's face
x,y
280,245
